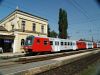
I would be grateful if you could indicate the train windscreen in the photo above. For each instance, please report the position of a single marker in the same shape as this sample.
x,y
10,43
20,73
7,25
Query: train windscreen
x,y
29,40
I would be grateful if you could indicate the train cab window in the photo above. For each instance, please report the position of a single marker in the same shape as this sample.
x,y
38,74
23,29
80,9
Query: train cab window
x,y
61,43
45,42
38,41
51,42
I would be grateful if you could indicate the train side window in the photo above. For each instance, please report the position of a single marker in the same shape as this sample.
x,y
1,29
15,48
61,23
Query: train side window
x,y
65,43
45,42
56,43
68,43
61,43
38,41
22,42
71,43
51,42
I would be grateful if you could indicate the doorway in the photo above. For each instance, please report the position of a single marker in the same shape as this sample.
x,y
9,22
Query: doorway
x,y
6,45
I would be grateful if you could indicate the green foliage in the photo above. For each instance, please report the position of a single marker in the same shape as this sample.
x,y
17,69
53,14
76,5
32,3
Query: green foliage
x,y
53,34
63,24
48,31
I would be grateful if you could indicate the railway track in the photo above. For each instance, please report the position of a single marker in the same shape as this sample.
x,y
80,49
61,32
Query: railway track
x,y
29,59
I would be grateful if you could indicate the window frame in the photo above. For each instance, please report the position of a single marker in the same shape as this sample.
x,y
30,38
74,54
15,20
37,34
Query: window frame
x,y
23,25
45,42
42,28
51,42
34,27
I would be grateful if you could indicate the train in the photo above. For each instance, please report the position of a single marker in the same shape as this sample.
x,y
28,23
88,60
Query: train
x,y
36,44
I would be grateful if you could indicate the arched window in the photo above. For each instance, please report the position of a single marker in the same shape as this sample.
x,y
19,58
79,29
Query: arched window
x,y
22,42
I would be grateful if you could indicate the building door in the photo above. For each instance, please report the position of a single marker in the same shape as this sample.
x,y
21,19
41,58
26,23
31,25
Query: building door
x,y
6,45
1,43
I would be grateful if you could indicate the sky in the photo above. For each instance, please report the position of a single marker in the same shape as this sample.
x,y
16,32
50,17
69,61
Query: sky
x,y
83,15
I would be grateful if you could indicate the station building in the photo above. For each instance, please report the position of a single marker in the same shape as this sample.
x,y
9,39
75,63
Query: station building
x,y
17,26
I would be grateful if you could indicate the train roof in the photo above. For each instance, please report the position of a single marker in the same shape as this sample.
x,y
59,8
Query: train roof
x,y
62,39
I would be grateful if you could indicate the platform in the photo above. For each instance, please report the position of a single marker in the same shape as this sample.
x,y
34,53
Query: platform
x,y
10,55
41,66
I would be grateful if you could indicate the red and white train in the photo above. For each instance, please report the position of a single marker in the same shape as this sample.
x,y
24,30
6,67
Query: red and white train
x,y
46,44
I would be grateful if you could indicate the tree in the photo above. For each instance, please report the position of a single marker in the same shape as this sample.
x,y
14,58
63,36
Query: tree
x,y
1,2
53,34
98,1
48,31
63,24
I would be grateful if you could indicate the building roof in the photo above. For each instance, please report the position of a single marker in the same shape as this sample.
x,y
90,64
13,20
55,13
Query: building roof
x,y
17,10
30,14
2,28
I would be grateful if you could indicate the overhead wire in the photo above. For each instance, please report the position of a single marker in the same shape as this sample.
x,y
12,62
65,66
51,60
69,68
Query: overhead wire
x,y
74,3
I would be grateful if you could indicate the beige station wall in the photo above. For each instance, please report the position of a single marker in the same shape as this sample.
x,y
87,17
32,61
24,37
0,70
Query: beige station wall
x,y
29,22
7,22
17,41
28,27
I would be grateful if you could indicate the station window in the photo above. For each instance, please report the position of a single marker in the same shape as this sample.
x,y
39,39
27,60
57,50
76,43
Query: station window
x,y
51,42
22,42
69,43
23,26
45,42
34,27
42,29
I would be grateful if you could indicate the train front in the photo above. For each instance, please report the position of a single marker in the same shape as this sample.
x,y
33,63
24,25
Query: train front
x,y
28,44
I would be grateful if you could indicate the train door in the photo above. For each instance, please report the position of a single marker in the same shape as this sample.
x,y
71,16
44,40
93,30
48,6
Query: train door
x,y
74,45
6,45
57,45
